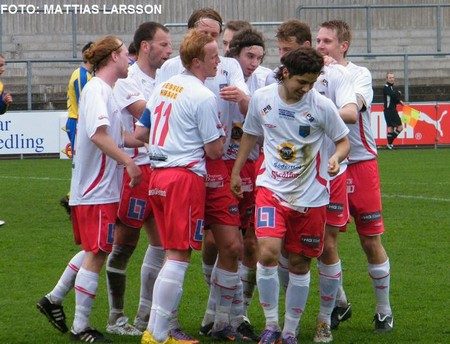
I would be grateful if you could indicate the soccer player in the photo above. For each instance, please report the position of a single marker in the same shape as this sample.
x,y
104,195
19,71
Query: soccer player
x,y
184,128
363,179
98,165
230,29
292,191
131,94
77,81
222,212
391,98
335,83
5,98
248,48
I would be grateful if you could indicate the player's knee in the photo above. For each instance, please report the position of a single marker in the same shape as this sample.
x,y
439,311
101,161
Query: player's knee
x,y
371,245
250,246
119,256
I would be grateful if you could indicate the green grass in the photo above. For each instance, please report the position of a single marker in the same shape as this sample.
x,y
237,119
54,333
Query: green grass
x,y
37,242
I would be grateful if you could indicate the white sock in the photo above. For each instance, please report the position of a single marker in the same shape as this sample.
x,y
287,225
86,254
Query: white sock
x,y
225,283
151,265
248,278
269,289
86,285
67,279
237,306
381,278
341,297
283,271
296,297
329,276
207,270
210,312
166,297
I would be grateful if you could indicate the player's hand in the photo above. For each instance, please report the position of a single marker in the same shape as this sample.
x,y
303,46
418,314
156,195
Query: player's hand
x,y
328,60
333,166
135,174
7,98
236,188
232,94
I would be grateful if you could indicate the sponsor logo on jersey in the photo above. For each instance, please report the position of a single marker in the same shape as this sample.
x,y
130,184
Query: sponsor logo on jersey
x,y
130,95
285,167
265,110
304,130
157,157
270,125
309,117
368,217
283,113
311,241
285,175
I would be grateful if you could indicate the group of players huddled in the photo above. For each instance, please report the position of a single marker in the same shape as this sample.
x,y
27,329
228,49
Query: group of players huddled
x,y
263,167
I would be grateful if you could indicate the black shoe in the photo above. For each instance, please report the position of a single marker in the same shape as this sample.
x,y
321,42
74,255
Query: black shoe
x,y
227,334
54,313
340,314
89,335
206,330
247,331
64,202
383,322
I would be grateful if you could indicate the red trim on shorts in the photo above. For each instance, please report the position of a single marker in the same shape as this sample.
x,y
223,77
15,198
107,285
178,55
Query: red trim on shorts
x,y
318,177
363,136
99,176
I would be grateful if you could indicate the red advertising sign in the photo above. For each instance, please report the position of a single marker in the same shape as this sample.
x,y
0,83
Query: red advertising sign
x,y
433,125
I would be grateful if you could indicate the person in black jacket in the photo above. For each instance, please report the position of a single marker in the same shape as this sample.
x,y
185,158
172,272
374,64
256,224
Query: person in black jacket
x,y
391,97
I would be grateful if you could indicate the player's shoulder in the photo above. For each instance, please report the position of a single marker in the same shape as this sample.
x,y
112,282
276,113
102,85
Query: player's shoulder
x,y
357,70
265,91
191,87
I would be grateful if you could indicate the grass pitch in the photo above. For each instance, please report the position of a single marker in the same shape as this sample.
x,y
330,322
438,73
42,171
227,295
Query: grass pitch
x,y
36,243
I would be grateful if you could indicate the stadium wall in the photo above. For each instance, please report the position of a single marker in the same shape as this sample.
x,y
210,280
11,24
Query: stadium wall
x,y
394,30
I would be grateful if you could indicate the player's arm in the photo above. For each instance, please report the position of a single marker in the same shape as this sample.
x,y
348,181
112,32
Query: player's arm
x,y
131,141
214,149
137,108
341,152
106,144
349,113
142,129
247,143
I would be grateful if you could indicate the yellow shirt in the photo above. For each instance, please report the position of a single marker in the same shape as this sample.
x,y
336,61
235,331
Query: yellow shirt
x,y
78,80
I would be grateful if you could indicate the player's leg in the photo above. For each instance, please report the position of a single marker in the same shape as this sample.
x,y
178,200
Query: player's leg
x,y
303,240
151,265
51,304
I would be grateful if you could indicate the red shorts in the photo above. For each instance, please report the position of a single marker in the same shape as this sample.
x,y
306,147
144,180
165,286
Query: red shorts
x,y
247,202
93,226
134,206
337,210
364,197
221,206
303,232
177,196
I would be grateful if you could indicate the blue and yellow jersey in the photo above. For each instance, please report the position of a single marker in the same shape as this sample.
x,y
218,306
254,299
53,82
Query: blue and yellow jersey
x,y
3,106
77,81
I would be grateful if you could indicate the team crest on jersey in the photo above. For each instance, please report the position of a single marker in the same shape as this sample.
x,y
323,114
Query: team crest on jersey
x,y
265,110
304,130
222,86
286,151
325,82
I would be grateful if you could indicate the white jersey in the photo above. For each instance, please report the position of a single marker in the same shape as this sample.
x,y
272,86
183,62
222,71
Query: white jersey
x,y
137,86
229,72
335,83
183,117
96,178
362,142
295,164
254,82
